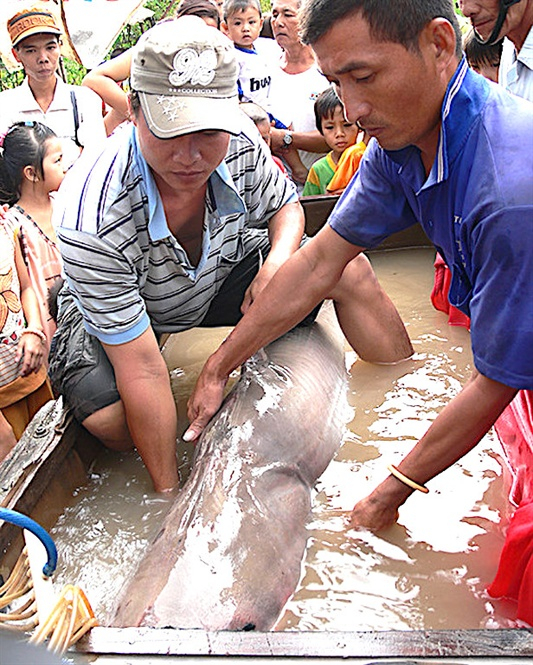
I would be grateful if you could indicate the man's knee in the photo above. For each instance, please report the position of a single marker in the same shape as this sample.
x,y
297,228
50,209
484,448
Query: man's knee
x,y
358,281
110,427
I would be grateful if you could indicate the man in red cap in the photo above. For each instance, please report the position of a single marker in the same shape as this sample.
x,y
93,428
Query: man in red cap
x,y
74,113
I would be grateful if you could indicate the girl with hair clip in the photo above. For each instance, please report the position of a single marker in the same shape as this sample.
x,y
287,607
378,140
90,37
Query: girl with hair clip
x,y
31,170
24,385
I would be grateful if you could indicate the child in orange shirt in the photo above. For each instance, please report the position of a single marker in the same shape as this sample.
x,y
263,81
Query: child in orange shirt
x,y
341,136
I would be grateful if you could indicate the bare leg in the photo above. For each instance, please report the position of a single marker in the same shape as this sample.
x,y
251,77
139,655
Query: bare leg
x,y
368,317
7,437
109,426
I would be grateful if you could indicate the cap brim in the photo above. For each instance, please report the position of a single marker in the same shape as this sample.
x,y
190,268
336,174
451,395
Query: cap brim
x,y
168,116
37,30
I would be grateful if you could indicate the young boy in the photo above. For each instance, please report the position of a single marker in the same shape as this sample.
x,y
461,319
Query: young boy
x,y
483,58
242,23
340,135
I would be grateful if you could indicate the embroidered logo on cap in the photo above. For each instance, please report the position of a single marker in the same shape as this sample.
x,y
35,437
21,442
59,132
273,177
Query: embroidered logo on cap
x,y
198,68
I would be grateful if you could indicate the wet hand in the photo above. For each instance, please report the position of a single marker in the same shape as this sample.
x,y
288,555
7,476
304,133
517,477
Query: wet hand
x,y
204,402
373,514
263,277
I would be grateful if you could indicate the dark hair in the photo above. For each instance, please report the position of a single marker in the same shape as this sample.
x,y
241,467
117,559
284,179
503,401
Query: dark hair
x,y
325,105
135,101
399,21
479,54
231,7
255,112
201,8
24,145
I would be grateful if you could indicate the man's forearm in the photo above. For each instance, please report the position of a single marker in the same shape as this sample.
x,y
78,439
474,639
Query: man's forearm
x,y
144,387
277,312
152,422
285,230
310,141
457,429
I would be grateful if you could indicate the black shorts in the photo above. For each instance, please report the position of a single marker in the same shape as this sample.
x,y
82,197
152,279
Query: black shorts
x,y
79,368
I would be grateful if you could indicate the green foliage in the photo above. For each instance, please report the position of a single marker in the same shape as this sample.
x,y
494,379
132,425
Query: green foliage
x,y
73,72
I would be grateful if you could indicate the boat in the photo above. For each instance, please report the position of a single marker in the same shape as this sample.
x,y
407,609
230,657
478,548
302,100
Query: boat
x,y
53,460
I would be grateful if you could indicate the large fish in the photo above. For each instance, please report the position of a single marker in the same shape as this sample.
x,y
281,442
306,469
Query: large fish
x,y
230,551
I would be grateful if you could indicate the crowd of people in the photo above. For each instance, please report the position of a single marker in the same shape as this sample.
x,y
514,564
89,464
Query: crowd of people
x,y
174,214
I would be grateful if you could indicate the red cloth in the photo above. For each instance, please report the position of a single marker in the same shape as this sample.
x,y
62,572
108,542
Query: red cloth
x,y
514,578
439,295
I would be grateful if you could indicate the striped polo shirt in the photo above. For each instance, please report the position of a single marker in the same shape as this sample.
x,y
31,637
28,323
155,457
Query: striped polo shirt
x,y
123,265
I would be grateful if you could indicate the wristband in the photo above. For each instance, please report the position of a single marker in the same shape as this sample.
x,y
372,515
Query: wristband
x,y
406,481
34,331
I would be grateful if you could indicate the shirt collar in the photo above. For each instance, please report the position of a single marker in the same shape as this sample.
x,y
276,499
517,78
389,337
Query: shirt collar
x,y
246,50
462,105
226,199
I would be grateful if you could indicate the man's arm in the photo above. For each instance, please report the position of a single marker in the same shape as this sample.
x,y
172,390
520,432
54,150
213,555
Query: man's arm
x,y
296,288
144,387
285,230
457,429
312,141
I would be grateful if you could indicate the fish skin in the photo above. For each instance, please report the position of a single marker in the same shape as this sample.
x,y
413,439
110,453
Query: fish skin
x,y
230,551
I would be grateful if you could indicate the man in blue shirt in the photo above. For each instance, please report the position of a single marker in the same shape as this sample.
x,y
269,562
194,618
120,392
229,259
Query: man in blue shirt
x,y
449,151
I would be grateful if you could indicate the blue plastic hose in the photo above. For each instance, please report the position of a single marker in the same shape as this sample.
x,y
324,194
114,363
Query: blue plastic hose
x,y
25,522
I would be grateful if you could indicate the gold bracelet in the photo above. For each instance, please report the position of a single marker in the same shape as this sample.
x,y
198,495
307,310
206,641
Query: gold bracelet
x,y
405,480
34,331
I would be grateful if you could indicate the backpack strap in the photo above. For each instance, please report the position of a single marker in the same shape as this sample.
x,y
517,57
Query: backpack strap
x,y
76,117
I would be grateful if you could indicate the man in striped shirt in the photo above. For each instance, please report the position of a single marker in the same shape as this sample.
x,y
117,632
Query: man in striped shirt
x,y
181,221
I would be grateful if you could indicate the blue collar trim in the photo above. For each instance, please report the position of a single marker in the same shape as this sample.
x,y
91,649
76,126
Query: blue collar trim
x,y
227,199
245,50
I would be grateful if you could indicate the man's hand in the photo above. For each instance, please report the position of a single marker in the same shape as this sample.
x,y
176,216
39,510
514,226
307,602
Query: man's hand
x,y
204,402
263,277
370,513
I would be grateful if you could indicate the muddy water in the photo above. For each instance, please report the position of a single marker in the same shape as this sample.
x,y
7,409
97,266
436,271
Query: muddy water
x,y
428,571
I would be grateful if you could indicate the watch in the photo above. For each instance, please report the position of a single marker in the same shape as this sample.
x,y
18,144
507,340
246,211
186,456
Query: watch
x,y
287,139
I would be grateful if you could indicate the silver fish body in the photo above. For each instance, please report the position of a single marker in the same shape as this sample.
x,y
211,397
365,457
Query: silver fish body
x,y
230,551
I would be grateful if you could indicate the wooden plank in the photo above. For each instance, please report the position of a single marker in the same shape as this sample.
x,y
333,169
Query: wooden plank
x,y
508,643
43,462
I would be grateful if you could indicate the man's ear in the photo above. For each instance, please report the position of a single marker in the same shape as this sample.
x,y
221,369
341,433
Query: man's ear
x,y
15,53
441,38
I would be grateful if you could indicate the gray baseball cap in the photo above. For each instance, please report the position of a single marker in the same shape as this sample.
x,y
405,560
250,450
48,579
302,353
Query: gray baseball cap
x,y
186,75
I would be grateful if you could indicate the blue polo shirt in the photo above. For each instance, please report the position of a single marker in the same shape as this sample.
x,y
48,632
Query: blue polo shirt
x,y
476,206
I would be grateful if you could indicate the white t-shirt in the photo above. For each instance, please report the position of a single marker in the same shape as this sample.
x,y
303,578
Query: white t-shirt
x,y
19,104
292,99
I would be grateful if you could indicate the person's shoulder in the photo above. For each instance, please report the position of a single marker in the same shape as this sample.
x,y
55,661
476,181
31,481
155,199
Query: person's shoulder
x,y
268,48
85,94
505,107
